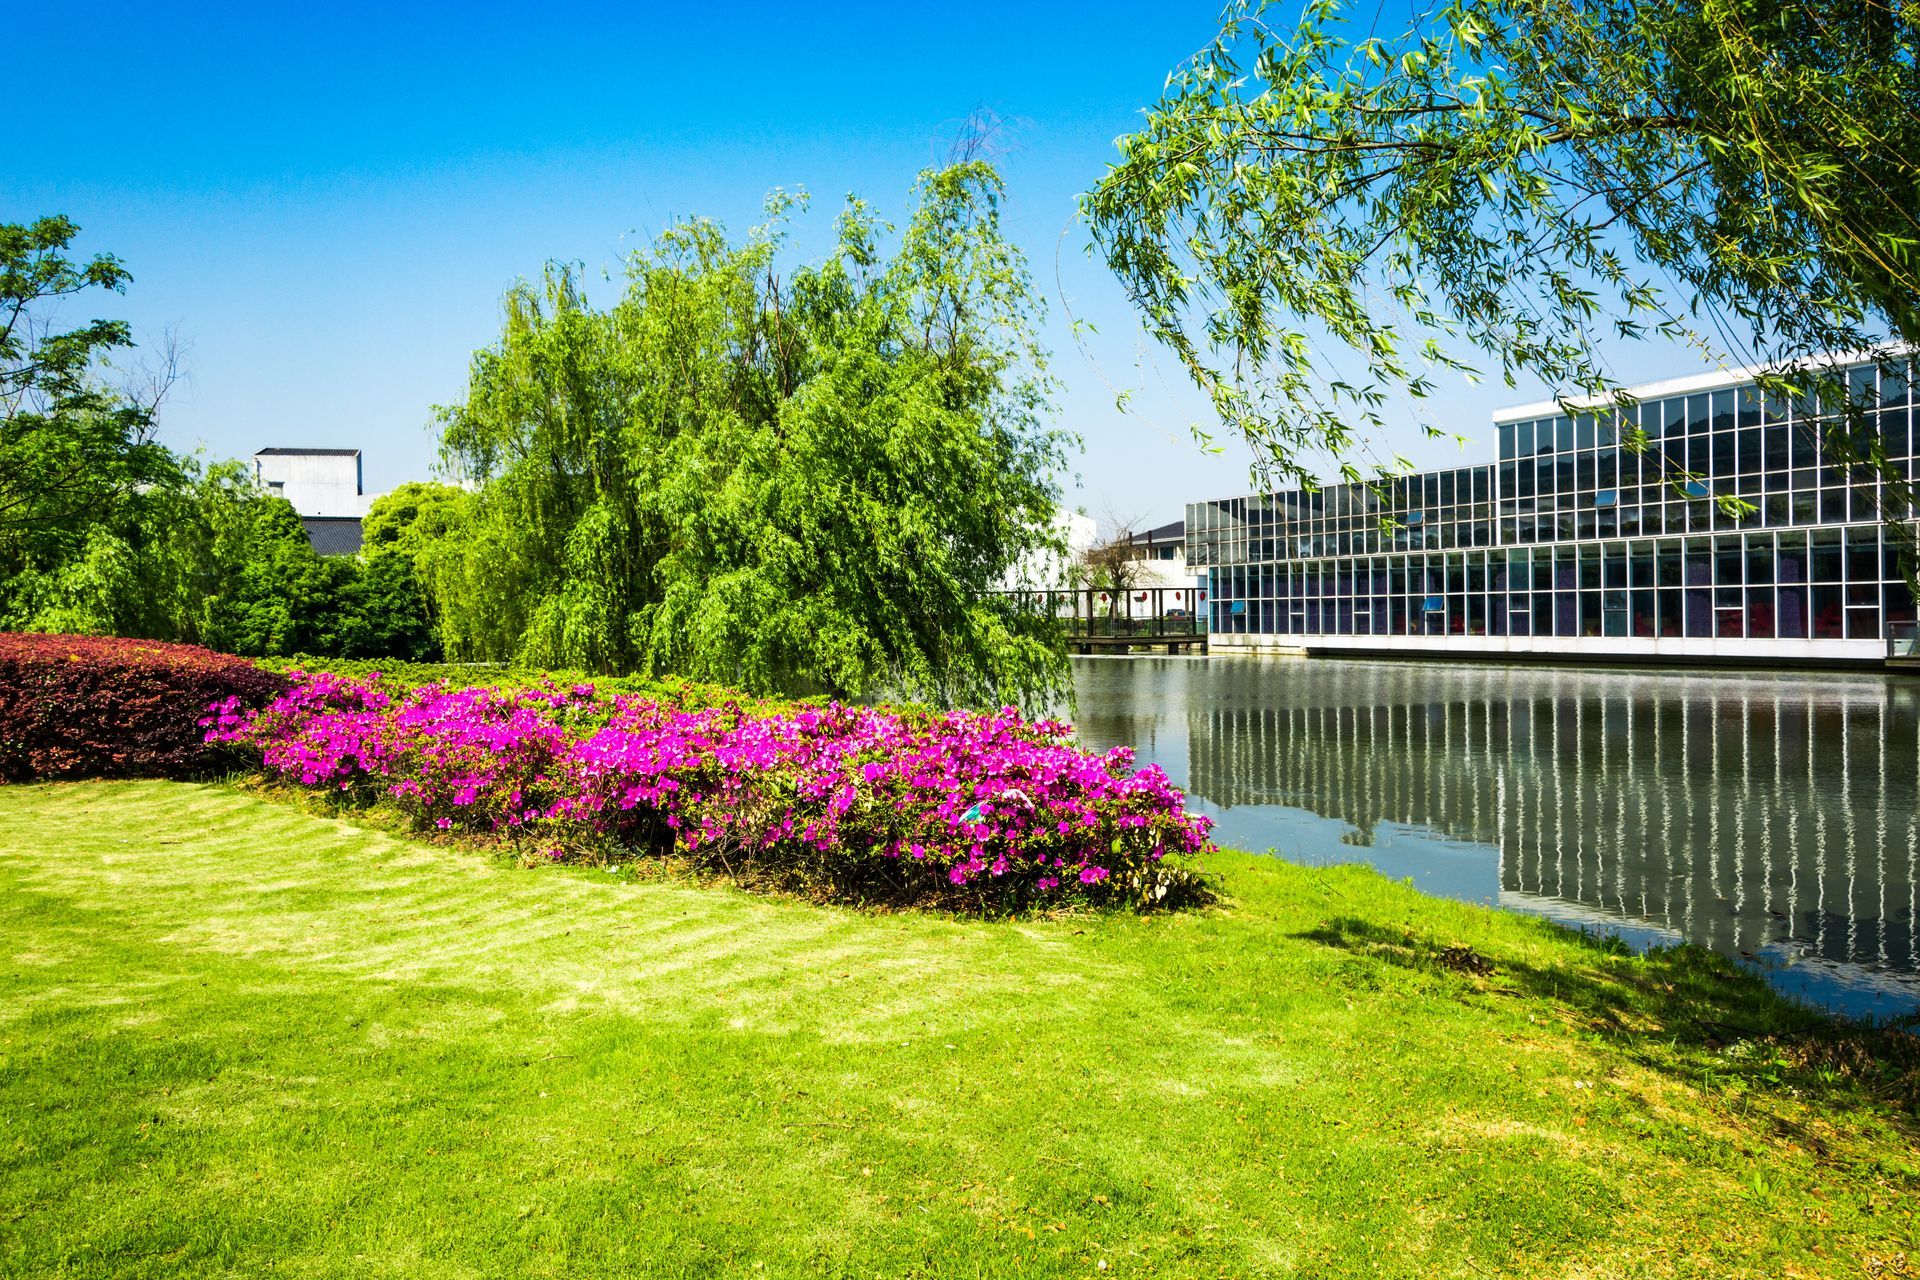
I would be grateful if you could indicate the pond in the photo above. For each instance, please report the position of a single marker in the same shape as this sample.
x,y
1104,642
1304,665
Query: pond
x,y
1770,816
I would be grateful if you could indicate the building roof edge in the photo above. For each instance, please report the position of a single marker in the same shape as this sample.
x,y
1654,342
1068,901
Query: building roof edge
x,y
1687,384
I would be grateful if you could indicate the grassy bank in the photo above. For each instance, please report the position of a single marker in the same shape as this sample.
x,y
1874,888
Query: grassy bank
x,y
238,1039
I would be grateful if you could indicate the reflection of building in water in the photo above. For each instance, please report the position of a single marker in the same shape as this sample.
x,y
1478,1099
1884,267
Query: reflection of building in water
x,y
1734,810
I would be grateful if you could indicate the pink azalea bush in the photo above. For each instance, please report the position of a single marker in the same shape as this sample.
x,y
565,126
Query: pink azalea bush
x,y
958,808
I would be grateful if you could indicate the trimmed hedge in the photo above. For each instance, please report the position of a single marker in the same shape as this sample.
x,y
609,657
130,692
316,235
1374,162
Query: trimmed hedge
x,y
101,707
668,690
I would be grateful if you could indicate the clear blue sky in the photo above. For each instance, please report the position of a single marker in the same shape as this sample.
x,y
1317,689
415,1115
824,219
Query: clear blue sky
x,y
328,200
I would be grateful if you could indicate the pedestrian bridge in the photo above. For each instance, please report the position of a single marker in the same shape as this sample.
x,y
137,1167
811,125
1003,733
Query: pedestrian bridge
x,y
1122,621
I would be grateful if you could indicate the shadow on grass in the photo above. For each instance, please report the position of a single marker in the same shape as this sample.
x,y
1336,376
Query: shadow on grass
x,y
1680,1010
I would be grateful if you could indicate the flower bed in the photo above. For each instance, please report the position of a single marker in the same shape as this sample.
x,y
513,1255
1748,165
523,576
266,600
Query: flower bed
x,y
100,707
957,809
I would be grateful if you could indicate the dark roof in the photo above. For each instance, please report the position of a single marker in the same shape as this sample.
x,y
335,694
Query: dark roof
x,y
298,453
333,535
1175,532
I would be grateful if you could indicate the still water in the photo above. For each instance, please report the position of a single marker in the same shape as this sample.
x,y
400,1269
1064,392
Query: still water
x,y
1769,816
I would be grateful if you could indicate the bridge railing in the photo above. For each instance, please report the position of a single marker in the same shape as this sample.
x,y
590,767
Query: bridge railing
x,y
1143,613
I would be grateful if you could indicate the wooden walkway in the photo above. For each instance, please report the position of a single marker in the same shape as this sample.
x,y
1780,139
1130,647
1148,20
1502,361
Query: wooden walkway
x,y
1190,642
1147,619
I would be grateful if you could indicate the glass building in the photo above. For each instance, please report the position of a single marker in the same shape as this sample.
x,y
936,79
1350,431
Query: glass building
x,y
1574,544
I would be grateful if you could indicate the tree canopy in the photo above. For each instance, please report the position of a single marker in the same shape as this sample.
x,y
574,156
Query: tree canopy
x,y
70,445
386,607
799,480
1507,183
103,530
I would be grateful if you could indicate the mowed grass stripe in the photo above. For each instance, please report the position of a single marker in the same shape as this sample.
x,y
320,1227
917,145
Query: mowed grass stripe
x,y
412,913
238,1038
409,911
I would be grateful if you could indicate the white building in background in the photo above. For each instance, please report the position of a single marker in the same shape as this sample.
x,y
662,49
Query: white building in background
x,y
1160,581
318,482
1162,553
325,486
1078,527
1041,572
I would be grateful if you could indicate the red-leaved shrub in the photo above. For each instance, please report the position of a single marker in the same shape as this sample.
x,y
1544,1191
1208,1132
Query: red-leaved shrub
x,y
97,707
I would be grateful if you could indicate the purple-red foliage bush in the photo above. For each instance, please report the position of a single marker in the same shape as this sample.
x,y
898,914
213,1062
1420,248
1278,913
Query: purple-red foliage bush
x,y
100,707
959,809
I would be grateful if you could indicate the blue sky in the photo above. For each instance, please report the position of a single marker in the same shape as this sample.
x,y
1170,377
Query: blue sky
x,y
328,200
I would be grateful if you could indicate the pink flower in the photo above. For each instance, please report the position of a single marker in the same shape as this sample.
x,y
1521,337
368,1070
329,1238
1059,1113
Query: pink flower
x,y
962,793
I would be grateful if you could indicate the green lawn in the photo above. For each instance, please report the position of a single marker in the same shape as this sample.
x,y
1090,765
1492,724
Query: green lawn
x,y
238,1039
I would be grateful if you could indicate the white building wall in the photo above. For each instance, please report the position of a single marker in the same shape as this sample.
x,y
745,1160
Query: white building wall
x,y
316,483
1041,572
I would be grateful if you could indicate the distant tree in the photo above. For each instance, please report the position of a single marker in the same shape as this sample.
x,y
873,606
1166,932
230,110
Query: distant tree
x,y
382,612
201,554
410,519
802,483
1519,178
1113,566
277,595
385,607
71,448
105,531
93,591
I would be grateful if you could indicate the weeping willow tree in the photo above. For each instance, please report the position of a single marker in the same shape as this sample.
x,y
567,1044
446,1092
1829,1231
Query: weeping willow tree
x,y
1330,206
809,480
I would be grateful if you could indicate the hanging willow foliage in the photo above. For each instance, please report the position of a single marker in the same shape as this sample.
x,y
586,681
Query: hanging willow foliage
x,y
1319,218
809,482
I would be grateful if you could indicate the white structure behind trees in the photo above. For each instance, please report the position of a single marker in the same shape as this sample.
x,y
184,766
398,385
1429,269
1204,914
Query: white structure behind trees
x,y
1160,556
1039,572
318,482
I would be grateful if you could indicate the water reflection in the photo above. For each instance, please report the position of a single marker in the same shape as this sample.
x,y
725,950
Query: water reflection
x,y
1770,816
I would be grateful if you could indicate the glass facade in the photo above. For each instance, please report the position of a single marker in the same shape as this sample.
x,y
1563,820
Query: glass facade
x,y
1575,534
